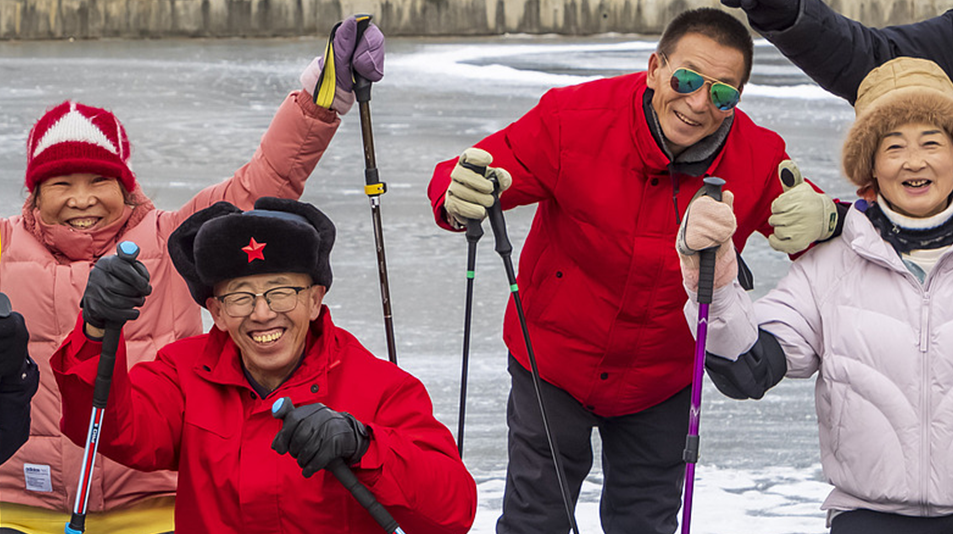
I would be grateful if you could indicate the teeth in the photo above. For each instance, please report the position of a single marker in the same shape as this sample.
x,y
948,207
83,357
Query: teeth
x,y
82,223
266,338
686,119
917,183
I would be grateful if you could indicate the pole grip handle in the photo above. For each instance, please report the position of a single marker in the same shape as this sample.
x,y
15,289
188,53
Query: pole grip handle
x,y
128,251
362,86
474,226
346,477
706,268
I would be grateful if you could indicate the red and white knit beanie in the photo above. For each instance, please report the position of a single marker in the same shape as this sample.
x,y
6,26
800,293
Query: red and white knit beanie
x,y
74,138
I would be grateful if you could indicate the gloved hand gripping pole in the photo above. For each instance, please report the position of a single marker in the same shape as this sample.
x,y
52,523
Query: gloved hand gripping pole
x,y
128,251
706,282
374,188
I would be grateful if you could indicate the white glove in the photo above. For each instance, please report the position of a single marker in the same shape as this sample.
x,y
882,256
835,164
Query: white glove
x,y
470,193
708,223
800,215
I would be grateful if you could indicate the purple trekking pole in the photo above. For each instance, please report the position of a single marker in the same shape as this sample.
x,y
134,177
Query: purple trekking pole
x,y
706,282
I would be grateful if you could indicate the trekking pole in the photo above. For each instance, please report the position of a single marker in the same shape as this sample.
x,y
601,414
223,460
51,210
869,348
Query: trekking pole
x,y
474,233
374,188
505,249
128,251
347,478
706,281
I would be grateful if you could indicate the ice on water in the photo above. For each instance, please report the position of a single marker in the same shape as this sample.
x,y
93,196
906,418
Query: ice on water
x,y
195,110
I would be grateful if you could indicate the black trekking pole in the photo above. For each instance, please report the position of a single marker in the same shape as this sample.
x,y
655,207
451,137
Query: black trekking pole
x,y
474,233
347,478
505,249
128,251
706,282
374,188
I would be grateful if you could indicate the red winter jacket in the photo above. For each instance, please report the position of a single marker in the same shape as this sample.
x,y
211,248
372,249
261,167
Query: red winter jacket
x,y
598,273
193,410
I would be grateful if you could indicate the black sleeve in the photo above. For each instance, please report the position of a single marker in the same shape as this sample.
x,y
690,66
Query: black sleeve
x,y
753,373
16,392
837,52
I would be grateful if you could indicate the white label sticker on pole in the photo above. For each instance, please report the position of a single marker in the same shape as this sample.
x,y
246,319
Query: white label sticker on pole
x,y
37,477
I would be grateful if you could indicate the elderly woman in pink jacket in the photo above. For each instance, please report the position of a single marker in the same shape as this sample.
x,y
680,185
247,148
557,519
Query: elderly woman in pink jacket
x,y
84,199
870,312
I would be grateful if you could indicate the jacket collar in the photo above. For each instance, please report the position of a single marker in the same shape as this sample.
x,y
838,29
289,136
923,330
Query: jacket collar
x,y
220,361
859,233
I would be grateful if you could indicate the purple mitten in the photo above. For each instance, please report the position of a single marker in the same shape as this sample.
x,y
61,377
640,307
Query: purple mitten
x,y
365,58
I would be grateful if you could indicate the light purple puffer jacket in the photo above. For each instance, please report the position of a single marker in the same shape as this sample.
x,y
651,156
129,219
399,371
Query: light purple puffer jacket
x,y
46,288
882,345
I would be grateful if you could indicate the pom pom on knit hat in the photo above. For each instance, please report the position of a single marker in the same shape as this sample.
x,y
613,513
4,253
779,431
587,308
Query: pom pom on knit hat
x,y
222,242
74,138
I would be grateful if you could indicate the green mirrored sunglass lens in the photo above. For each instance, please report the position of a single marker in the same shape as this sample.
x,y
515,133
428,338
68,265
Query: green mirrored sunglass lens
x,y
724,96
685,81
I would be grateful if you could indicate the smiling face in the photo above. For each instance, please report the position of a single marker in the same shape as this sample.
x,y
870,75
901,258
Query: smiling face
x,y
913,167
81,201
687,119
271,343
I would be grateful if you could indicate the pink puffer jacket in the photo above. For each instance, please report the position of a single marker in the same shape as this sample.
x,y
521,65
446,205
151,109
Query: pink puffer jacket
x,y
46,288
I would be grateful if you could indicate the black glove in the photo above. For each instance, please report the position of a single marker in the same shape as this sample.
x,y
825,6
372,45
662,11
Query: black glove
x,y
315,434
768,15
115,288
13,344
753,373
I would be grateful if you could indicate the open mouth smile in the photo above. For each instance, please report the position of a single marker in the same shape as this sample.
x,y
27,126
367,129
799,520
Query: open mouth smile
x,y
686,120
917,184
267,337
83,223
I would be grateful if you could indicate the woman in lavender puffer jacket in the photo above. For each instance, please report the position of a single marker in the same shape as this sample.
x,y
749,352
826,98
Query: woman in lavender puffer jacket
x,y
870,312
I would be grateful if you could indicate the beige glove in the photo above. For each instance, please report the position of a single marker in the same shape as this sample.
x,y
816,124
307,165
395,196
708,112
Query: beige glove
x,y
800,215
470,193
708,223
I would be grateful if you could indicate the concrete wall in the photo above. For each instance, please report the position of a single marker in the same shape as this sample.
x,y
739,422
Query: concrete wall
x,y
59,19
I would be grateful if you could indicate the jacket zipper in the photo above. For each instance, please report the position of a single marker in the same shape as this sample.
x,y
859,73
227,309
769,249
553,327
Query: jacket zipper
x,y
925,405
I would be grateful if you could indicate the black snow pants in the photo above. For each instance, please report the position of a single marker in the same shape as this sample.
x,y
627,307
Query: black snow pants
x,y
641,461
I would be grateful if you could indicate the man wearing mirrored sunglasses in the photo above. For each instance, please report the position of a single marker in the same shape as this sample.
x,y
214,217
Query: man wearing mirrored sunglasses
x,y
612,165
204,406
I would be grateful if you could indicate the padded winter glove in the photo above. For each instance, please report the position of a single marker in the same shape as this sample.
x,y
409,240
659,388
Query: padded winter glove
x,y
470,192
365,58
753,373
116,287
315,435
800,215
13,344
707,224
768,15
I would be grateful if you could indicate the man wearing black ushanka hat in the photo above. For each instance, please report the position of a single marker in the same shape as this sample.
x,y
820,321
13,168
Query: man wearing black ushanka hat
x,y
203,407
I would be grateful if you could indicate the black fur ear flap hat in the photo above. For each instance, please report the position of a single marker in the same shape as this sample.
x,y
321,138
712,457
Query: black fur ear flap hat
x,y
222,242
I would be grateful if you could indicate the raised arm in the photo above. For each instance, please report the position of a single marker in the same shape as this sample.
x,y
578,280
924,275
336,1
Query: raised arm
x,y
301,130
837,52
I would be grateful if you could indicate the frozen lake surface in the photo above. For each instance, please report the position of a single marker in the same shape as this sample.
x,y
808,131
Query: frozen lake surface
x,y
195,110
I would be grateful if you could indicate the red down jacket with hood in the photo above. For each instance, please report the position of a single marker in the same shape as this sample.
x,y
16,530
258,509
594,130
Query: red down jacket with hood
x,y
599,275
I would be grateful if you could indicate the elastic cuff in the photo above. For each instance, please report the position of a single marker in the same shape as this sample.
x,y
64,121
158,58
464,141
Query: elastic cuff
x,y
306,104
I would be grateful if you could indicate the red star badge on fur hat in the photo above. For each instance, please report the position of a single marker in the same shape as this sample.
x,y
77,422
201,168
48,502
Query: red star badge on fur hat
x,y
254,250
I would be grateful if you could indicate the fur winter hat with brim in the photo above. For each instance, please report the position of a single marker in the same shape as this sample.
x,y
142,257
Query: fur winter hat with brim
x,y
222,242
902,91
